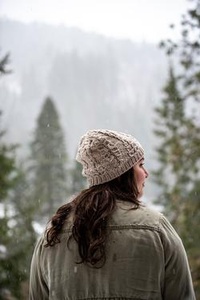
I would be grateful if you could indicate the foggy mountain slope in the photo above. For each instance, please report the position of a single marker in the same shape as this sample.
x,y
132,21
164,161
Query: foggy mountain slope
x,y
94,81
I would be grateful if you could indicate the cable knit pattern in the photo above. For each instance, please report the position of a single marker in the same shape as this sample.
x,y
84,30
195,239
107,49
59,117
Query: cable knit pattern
x,y
107,154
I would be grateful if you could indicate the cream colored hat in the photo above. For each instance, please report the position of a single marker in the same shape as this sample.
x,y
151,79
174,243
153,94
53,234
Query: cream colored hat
x,y
107,154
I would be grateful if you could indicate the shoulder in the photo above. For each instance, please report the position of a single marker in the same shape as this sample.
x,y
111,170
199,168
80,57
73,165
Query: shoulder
x,y
145,218
125,214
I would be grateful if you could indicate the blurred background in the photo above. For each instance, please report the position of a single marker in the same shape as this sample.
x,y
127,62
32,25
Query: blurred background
x,y
70,66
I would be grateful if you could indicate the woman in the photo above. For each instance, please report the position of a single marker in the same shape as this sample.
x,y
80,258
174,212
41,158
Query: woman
x,y
105,244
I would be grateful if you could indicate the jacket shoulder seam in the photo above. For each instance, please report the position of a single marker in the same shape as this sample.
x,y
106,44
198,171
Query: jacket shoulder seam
x,y
134,226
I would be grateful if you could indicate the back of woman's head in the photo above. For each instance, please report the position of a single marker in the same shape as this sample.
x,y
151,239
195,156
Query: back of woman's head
x,y
107,158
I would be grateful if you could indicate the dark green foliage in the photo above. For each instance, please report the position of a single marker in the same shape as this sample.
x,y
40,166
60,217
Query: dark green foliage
x,y
180,154
8,169
178,172
17,236
48,166
23,233
16,232
18,239
173,173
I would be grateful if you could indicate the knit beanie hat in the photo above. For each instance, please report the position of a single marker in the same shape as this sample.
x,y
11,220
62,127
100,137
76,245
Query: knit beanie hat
x,y
107,154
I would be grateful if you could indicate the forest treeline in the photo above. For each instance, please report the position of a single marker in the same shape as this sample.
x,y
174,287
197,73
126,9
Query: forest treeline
x,y
31,190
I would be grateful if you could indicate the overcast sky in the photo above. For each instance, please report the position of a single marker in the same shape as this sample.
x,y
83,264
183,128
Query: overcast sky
x,y
139,20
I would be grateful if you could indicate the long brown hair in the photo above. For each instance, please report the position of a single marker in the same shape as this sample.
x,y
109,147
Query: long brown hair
x,y
91,210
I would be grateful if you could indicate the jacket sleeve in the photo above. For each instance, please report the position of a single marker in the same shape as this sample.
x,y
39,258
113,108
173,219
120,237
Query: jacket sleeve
x,y
178,282
37,287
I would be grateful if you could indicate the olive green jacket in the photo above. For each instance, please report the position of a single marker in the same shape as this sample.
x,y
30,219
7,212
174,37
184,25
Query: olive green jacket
x,y
145,260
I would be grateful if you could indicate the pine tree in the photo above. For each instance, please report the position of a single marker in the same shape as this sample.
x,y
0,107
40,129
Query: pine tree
x,y
186,53
178,175
172,175
10,256
7,181
17,235
8,177
49,160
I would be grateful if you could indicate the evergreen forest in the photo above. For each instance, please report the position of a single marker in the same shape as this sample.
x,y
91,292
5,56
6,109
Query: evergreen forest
x,y
35,184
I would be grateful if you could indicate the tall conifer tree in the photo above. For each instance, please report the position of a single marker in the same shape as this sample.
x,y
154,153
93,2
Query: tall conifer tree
x,y
187,56
15,242
177,175
49,160
176,170
8,175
